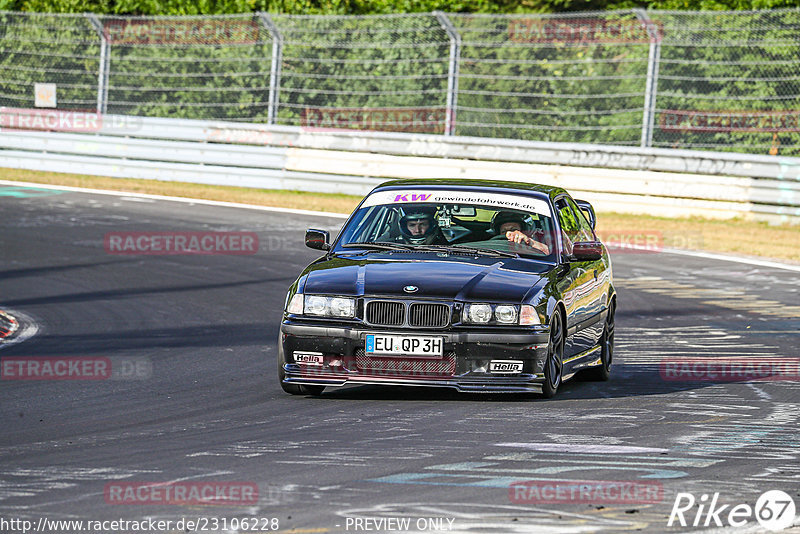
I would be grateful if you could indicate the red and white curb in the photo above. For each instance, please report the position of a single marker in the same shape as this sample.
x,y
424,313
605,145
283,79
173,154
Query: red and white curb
x,y
15,327
8,325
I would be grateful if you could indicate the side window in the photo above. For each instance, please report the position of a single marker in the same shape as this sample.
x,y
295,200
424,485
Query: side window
x,y
586,233
570,229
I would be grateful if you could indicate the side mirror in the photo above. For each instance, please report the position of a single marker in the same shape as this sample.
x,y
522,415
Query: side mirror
x,y
588,211
318,239
587,251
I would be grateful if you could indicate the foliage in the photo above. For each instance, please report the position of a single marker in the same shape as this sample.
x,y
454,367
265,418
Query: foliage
x,y
519,77
360,7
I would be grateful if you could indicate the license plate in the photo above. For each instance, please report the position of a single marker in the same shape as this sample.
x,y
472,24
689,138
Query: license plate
x,y
396,345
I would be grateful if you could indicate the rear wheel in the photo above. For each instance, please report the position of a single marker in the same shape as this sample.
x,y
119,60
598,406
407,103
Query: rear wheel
x,y
603,371
293,389
554,364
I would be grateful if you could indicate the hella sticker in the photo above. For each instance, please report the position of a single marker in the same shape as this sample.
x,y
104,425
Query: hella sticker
x,y
308,358
505,366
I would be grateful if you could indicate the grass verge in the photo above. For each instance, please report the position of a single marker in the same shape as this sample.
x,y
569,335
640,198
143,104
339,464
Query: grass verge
x,y
746,238
334,203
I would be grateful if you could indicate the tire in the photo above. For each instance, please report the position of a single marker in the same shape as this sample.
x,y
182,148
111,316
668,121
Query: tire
x,y
603,371
554,365
293,389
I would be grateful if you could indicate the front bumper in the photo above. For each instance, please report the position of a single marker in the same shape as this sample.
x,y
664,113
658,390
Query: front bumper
x,y
464,366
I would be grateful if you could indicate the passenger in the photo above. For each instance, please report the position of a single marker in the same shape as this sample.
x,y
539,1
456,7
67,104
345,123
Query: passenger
x,y
513,227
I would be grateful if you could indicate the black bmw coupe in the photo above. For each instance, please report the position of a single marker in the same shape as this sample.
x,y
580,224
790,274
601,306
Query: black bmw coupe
x,y
481,286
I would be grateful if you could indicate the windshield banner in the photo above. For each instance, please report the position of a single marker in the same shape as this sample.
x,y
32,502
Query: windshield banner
x,y
433,196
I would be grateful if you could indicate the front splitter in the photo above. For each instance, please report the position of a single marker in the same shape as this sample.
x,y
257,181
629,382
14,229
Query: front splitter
x,y
494,385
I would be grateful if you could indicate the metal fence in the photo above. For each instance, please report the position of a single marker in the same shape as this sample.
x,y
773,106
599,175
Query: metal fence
x,y
701,80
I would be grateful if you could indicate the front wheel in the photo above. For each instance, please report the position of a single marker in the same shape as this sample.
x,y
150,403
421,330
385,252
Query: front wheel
x,y
603,371
293,389
554,364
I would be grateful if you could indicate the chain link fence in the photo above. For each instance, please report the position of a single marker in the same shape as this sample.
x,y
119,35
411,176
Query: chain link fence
x,y
702,80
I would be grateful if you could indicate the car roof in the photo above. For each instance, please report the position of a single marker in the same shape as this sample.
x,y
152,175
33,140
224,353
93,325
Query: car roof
x,y
496,186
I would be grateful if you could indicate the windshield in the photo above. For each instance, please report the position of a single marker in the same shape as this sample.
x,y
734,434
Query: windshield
x,y
474,222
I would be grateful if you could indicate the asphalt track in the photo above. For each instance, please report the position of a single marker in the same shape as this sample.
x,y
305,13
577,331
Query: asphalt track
x,y
208,406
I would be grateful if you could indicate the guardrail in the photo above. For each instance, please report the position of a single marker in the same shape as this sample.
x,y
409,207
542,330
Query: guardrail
x,y
624,179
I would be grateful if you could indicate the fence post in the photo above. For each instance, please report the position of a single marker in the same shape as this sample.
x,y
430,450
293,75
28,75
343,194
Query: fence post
x,y
452,72
105,63
275,65
651,87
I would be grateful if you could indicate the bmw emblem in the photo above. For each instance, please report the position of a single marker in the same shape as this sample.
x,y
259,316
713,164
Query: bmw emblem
x,y
410,289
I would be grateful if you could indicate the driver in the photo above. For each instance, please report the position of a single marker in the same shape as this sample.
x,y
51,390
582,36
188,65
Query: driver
x,y
513,226
418,227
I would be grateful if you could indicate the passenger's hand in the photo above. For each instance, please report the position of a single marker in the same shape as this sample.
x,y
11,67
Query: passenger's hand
x,y
518,237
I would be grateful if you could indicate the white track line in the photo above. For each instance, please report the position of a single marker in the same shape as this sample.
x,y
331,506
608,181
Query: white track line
x,y
735,259
174,199
695,254
722,257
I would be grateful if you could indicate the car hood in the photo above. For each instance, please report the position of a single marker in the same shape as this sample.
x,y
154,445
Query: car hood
x,y
449,277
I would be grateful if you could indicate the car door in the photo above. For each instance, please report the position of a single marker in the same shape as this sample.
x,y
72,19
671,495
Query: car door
x,y
578,282
597,302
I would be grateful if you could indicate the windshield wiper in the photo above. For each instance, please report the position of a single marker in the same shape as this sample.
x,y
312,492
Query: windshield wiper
x,y
383,245
476,250
379,245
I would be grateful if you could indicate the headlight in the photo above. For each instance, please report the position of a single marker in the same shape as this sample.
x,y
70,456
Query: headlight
x,y
342,307
329,306
316,305
528,315
478,313
506,314
296,304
